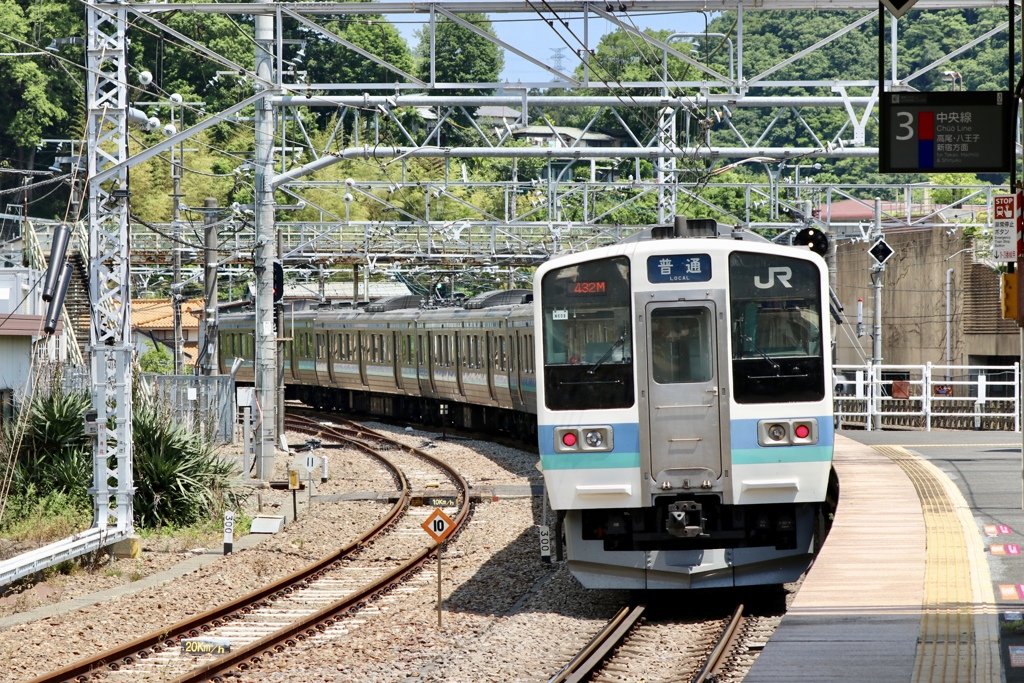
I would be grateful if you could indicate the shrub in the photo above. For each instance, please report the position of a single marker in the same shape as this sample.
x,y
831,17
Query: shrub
x,y
55,455
179,480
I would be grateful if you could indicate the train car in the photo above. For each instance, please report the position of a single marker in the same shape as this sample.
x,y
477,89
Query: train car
x,y
398,358
684,408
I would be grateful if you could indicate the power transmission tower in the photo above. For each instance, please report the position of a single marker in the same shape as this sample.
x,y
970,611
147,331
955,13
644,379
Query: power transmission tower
x,y
557,55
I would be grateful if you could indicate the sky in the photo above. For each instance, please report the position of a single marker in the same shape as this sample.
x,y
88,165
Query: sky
x,y
530,34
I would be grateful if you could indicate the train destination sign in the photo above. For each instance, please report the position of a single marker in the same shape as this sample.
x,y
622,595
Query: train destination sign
x,y
945,132
679,268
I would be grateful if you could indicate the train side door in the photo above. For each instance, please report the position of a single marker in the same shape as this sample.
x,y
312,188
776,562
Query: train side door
x,y
518,352
683,389
362,345
458,361
433,358
490,361
395,357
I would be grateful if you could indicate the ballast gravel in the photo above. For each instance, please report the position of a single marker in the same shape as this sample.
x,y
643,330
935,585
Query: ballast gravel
x,y
506,615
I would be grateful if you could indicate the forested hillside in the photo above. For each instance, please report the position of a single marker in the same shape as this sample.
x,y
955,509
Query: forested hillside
x,y
45,94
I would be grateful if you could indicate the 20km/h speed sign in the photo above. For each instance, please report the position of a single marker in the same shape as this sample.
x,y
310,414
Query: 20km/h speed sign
x,y
438,525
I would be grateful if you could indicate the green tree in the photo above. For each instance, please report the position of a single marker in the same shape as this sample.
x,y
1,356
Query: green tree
x,y
158,359
332,62
42,94
461,56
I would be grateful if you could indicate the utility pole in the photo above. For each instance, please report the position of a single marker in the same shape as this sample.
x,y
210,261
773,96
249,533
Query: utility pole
x,y
210,281
279,326
876,335
265,254
176,297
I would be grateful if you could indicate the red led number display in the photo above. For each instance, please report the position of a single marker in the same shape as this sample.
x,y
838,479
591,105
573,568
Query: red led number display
x,y
583,288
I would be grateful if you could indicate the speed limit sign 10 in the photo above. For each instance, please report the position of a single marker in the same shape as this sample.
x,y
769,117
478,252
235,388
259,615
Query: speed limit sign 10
x,y
438,525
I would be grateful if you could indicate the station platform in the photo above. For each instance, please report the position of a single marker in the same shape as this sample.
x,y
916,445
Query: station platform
x,y
921,578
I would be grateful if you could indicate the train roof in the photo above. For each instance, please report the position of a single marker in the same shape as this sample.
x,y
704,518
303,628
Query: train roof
x,y
504,297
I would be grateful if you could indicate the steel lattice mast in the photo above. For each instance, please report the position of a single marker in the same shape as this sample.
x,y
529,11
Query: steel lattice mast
x,y
109,294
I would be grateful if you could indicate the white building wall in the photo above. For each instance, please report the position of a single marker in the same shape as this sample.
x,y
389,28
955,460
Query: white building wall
x,y
15,368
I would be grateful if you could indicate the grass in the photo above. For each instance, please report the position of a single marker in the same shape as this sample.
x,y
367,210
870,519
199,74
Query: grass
x,y
38,520
203,534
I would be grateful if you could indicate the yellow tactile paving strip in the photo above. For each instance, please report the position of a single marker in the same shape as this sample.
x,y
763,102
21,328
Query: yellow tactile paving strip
x,y
959,640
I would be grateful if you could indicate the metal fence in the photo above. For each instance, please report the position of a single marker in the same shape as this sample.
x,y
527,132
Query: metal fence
x,y
203,403
926,396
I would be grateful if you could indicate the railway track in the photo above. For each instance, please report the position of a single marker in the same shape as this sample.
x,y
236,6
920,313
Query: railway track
x,y
327,595
627,645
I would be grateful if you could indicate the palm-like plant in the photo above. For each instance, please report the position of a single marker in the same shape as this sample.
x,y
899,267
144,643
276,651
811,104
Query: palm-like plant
x,y
179,480
55,453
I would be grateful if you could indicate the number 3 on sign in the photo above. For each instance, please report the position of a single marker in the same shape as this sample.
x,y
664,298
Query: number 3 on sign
x,y
905,122
438,525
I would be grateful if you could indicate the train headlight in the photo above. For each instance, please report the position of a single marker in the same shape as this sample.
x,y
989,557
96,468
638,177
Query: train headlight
x,y
588,438
799,432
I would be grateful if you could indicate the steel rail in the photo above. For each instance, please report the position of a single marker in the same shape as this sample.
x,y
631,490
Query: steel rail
x,y
317,622
600,646
141,647
723,646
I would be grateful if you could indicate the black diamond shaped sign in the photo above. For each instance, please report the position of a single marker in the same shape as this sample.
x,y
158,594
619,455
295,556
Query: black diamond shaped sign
x,y
881,251
898,8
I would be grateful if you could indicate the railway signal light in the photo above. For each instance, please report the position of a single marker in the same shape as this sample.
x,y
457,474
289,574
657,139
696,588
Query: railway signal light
x,y
812,238
278,281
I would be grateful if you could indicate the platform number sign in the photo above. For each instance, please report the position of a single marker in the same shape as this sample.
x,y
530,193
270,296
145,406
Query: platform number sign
x,y
945,132
438,525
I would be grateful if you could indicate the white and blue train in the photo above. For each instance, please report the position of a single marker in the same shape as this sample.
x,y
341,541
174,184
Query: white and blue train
x,y
684,408
679,388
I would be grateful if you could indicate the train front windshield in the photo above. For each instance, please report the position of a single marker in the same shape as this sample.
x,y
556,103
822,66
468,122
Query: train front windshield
x,y
777,353
588,342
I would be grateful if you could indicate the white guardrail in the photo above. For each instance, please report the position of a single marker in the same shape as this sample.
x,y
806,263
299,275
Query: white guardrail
x,y
925,396
37,560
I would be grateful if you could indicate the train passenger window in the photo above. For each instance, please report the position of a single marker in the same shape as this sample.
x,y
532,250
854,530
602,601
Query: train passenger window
x,y
588,335
681,345
776,305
